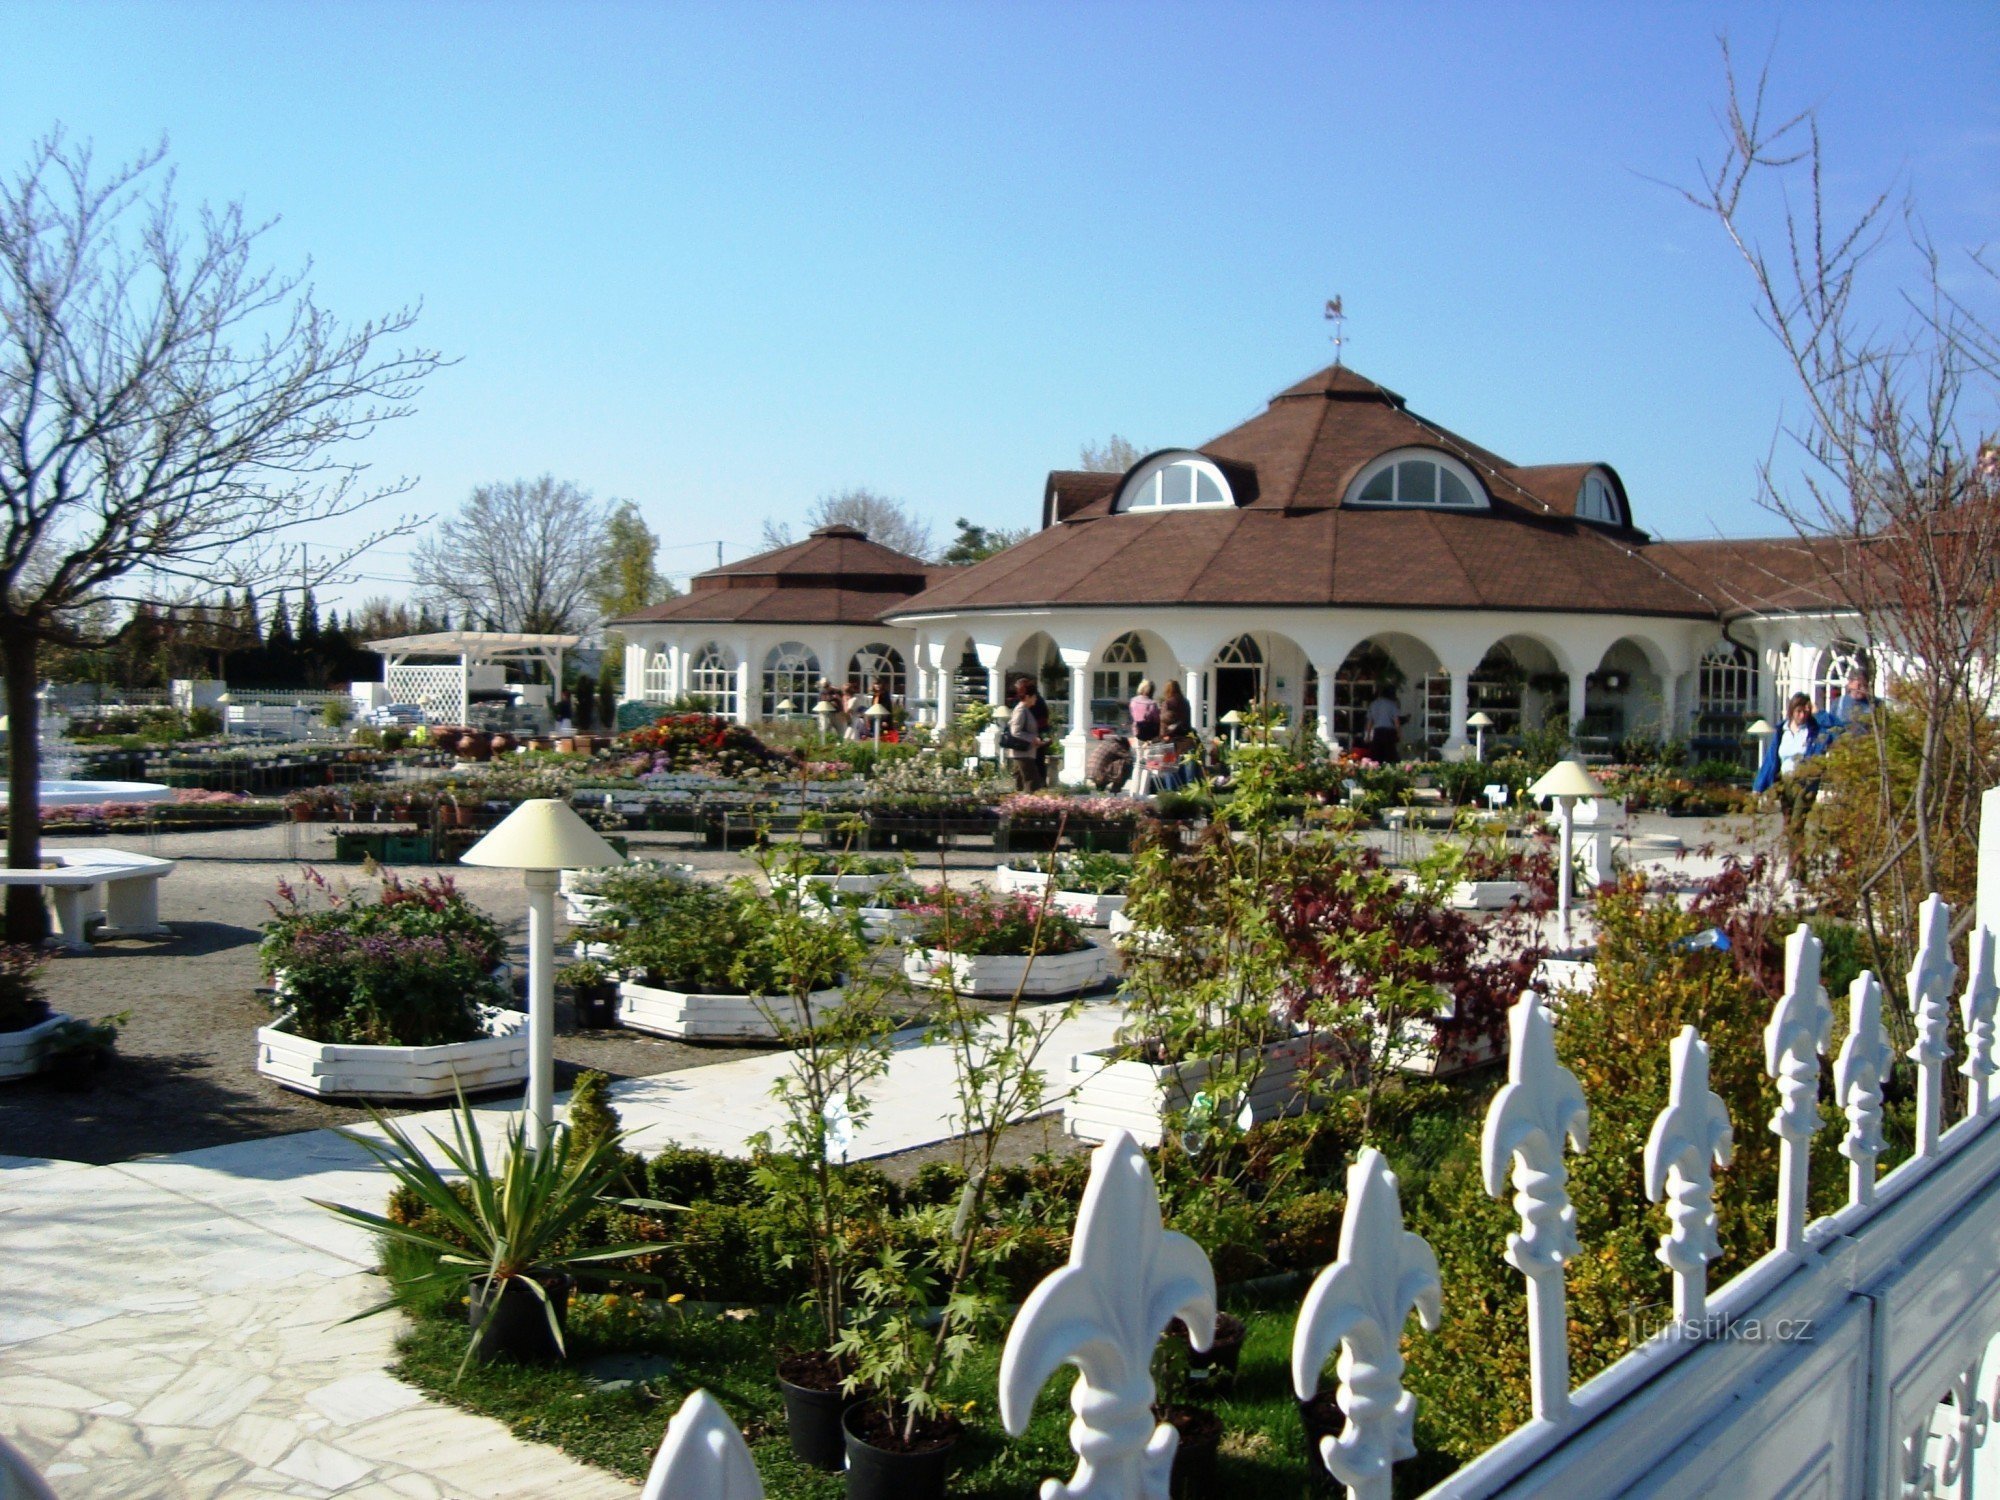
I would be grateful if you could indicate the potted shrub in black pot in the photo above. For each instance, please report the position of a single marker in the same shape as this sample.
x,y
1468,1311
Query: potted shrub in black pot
x,y
504,1235
593,990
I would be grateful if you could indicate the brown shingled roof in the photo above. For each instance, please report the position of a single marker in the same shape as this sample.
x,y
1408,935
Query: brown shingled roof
x,y
836,576
1290,540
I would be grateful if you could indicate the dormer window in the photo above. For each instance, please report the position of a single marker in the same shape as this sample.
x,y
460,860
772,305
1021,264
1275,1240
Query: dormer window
x,y
1174,481
1418,477
1598,500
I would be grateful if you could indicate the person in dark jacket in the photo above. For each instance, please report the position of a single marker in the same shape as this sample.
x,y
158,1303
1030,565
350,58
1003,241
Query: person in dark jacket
x,y
1176,719
1788,768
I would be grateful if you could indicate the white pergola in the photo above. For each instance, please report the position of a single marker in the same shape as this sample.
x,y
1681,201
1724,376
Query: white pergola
x,y
412,673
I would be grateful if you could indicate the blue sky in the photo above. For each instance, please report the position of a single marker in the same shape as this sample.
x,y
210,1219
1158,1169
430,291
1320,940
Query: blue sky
x,y
724,259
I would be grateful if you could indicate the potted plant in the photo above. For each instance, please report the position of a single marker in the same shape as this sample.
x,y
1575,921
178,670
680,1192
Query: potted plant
x,y
987,944
26,1022
593,990
1088,888
501,1234
76,1050
390,997
711,963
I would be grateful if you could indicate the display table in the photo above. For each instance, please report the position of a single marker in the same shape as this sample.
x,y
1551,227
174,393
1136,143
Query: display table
x,y
130,900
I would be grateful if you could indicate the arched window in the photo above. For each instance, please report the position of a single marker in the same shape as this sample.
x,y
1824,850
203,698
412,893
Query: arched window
x,y
1241,652
1238,677
1174,481
1598,501
876,666
1831,679
790,671
1494,689
712,678
1367,667
1725,695
659,684
1113,686
1417,477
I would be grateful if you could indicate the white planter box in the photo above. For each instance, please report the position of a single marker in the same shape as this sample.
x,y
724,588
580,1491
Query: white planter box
x,y
1133,941
584,907
716,1018
21,1052
838,885
1002,974
1106,1095
1487,895
496,1060
1082,906
1557,974
1011,881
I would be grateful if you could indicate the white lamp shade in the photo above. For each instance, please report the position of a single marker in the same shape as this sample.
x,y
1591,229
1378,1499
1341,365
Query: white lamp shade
x,y
876,711
1566,778
787,706
1232,717
1759,729
542,834
1479,721
823,707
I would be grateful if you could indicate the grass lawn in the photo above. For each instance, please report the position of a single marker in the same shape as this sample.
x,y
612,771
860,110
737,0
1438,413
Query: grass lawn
x,y
1263,1447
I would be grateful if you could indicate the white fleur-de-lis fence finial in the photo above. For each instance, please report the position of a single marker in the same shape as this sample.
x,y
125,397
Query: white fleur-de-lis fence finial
x,y
1976,1009
1541,1104
1794,1040
1858,1076
1691,1137
702,1457
1932,974
1104,1312
1360,1303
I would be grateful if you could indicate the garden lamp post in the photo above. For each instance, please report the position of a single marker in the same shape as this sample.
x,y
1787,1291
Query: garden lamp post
x,y
1479,723
823,711
877,712
1568,783
1233,720
786,708
222,702
542,838
1760,730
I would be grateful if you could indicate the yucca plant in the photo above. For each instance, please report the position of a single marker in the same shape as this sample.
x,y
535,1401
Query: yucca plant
x,y
505,1224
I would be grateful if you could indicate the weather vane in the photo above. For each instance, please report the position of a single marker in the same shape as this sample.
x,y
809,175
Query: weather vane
x,y
1338,318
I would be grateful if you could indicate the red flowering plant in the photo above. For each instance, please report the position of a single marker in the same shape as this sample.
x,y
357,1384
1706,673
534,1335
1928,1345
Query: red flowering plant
x,y
412,967
981,924
702,742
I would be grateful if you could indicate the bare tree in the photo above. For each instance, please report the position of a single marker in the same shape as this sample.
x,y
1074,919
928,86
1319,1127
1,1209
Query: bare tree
x,y
1897,517
170,415
1112,456
523,554
890,522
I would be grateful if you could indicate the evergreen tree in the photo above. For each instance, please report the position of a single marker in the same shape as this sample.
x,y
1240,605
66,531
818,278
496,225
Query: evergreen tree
x,y
248,625
280,636
308,626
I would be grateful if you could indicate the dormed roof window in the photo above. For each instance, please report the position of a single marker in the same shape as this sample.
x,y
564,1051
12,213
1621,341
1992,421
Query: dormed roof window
x,y
1598,500
1174,480
1418,477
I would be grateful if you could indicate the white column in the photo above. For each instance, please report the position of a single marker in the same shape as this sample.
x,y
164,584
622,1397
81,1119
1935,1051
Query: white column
x,y
541,1004
1669,695
1076,744
635,670
1576,692
1325,709
1197,705
746,704
1460,673
942,691
996,697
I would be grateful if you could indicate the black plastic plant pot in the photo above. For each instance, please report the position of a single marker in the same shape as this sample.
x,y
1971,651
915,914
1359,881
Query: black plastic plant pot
x,y
596,1006
1193,1473
513,1323
892,1473
1223,1351
814,1404
1321,1418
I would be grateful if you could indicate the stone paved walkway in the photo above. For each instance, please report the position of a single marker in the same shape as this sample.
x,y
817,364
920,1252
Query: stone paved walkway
x,y
171,1327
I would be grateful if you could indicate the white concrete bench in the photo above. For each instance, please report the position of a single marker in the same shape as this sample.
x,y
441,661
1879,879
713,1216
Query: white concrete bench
x,y
130,903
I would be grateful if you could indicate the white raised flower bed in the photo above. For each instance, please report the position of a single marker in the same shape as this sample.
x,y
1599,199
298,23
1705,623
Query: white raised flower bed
x,y
22,1052
1078,906
717,1018
1487,895
496,1060
1001,974
835,885
1108,1093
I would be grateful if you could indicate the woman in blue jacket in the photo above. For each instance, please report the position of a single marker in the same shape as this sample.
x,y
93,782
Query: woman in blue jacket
x,y
1786,767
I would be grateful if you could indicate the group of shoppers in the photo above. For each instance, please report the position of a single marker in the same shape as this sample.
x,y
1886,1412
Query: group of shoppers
x,y
1151,720
1805,736
844,710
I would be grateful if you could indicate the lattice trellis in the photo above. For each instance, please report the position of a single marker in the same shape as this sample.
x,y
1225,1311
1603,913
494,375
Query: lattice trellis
x,y
439,691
